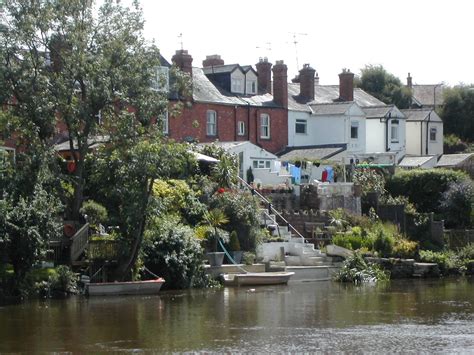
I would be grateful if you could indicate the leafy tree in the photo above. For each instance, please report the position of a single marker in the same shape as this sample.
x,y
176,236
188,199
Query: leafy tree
x,y
91,74
456,204
384,86
453,144
27,226
124,175
458,112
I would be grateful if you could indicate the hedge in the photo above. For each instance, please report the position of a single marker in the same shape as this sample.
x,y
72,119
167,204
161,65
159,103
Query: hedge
x,y
423,188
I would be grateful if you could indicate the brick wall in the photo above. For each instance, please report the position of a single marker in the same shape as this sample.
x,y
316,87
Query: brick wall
x,y
192,122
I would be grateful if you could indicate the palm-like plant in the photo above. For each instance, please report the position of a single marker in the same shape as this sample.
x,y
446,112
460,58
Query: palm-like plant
x,y
214,220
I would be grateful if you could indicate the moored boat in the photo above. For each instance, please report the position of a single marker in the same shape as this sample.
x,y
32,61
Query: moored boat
x,y
257,278
146,287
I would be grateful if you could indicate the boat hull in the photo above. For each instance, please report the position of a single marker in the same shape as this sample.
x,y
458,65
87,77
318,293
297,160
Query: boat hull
x,y
256,279
148,287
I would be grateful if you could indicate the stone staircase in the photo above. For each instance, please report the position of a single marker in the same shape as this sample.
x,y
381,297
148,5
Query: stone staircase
x,y
292,249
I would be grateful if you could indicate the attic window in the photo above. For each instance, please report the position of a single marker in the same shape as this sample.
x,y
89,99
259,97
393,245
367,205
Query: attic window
x,y
301,126
236,85
161,80
354,130
394,131
251,87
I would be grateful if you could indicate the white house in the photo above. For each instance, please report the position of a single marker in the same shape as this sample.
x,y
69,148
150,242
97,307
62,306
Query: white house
x,y
266,167
424,132
386,131
341,114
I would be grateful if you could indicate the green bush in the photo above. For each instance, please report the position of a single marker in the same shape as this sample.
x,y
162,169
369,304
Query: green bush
x,y
242,211
447,261
63,281
356,270
383,244
423,187
456,204
405,249
95,212
171,251
467,252
248,258
234,243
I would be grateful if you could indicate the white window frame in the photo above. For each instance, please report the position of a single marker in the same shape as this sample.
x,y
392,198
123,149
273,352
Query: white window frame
x,y
236,85
435,131
165,123
355,124
261,164
394,131
241,128
301,123
252,87
161,82
211,123
265,126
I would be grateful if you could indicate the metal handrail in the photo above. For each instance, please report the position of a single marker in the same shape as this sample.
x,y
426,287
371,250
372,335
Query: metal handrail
x,y
271,209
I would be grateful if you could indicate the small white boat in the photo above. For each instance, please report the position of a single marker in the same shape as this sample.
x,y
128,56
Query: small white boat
x,y
147,287
257,278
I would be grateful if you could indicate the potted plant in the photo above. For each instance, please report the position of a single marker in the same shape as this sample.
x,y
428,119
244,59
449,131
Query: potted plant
x,y
234,246
214,219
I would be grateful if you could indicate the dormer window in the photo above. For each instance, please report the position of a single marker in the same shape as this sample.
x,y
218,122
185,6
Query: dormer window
x,y
394,132
251,87
236,85
161,81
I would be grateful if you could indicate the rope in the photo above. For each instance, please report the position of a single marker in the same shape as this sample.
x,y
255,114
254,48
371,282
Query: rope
x,y
151,273
230,258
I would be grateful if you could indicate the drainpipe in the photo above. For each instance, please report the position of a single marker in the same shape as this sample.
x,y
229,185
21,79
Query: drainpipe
x,y
427,132
387,149
235,123
256,126
421,138
248,121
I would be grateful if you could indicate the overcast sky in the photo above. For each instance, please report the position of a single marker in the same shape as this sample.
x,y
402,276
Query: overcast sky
x,y
431,39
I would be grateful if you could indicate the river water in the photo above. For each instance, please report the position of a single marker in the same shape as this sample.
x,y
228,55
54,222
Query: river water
x,y
431,316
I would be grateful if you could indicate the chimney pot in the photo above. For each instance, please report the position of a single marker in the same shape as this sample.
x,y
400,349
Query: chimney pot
x,y
346,85
183,60
280,84
264,72
409,81
306,77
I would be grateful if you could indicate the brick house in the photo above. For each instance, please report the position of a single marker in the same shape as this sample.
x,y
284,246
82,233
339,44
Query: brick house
x,y
233,103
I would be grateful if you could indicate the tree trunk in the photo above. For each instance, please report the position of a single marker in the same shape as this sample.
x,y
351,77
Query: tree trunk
x,y
124,268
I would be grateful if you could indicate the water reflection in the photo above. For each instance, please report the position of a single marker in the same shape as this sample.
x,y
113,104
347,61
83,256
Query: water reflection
x,y
405,315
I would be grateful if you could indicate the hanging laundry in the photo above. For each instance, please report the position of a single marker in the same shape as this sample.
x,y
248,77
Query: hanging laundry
x,y
330,171
276,166
295,174
324,176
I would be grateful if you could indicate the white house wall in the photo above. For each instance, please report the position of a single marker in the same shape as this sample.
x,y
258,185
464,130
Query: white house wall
x,y
298,140
414,134
375,136
436,147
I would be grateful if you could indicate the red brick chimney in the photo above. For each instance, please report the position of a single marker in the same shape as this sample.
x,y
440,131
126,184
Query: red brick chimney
x,y
264,72
409,81
346,85
280,84
183,60
212,60
307,82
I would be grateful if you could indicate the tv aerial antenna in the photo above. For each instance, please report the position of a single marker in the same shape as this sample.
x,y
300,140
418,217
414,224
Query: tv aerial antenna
x,y
295,42
180,36
267,47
